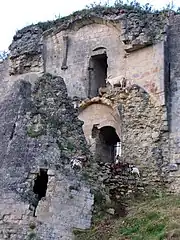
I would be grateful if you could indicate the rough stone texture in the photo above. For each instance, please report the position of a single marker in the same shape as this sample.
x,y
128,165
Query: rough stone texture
x,y
100,115
4,69
26,51
39,126
143,127
173,82
35,49
144,67
139,30
117,180
40,129
145,130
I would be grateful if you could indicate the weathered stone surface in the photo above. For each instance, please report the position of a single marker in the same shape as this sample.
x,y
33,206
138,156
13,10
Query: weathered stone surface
x,y
140,125
173,92
110,211
26,51
137,31
39,128
173,167
23,152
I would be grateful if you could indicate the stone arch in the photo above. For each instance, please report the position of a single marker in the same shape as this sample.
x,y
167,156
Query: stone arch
x,y
76,24
99,49
79,23
97,115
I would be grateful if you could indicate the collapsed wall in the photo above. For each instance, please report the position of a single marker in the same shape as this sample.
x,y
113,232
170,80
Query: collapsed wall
x,y
40,134
142,129
40,130
131,42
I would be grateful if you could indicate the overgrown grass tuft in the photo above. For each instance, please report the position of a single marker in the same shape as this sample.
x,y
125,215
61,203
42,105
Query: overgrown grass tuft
x,y
152,219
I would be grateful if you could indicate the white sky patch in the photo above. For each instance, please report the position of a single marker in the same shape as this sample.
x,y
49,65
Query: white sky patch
x,y
16,14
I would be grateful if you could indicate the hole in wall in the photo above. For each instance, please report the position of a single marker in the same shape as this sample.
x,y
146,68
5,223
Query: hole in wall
x,y
39,188
108,144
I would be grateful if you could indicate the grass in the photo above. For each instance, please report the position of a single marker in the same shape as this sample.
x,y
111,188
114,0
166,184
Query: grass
x,y
152,219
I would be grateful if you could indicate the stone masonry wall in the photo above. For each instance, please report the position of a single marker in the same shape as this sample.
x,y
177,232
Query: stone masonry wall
x,y
144,67
80,49
26,51
40,130
145,136
71,41
144,133
100,115
173,82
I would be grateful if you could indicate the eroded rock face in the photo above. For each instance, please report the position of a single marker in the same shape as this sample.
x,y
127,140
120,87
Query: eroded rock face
x,y
140,30
40,130
26,51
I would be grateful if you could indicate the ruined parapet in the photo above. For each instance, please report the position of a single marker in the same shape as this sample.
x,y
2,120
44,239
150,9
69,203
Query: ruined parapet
x,y
26,51
142,29
136,29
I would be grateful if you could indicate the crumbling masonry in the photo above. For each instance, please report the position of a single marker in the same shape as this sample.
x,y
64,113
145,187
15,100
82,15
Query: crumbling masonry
x,y
55,106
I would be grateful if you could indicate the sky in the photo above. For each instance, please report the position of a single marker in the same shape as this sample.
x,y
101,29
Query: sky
x,y
16,14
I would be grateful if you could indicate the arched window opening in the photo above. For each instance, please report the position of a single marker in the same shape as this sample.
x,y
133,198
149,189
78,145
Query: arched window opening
x,y
108,145
97,73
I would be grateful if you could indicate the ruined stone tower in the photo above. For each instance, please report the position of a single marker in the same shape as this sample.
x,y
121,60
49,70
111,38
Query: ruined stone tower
x,y
56,107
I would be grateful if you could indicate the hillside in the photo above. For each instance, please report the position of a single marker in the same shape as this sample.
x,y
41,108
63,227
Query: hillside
x,y
152,219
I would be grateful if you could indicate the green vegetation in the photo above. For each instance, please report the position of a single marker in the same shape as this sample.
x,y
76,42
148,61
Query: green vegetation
x,y
105,9
132,5
33,132
153,219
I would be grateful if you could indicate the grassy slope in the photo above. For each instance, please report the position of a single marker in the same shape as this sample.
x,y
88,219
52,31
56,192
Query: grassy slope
x,y
155,219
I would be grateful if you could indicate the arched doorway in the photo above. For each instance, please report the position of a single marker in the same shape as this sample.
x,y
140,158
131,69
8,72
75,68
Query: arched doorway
x,y
108,144
97,73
